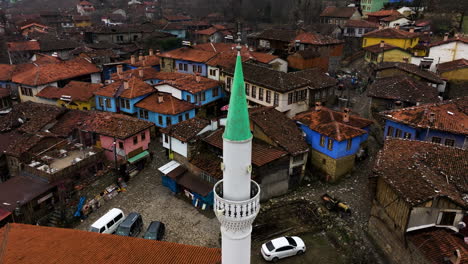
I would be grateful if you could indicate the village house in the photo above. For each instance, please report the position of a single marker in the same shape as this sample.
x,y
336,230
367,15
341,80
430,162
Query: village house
x,y
275,39
289,93
123,34
400,91
52,46
33,27
209,35
31,78
448,49
113,19
176,18
85,8
378,14
384,52
74,95
335,139
339,15
443,123
456,74
418,191
393,36
395,21
16,240
186,60
357,28
150,60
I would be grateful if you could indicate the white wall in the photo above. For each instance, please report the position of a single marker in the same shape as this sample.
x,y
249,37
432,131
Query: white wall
x,y
96,77
402,22
448,52
175,145
283,64
169,89
213,77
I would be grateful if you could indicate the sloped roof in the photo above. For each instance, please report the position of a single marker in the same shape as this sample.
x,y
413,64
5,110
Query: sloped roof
x,y
226,54
383,13
450,116
419,171
169,105
147,61
148,73
411,68
330,123
186,130
361,24
189,54
462,39
403,88
282,130
452,65
28,244
136,88
342,12
190,83
21,188
79,91
377,49
6,71
284,35
31,45
391,33
316,39
209,31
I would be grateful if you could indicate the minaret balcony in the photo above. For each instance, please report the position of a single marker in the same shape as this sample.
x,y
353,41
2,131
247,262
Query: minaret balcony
x,y
236,215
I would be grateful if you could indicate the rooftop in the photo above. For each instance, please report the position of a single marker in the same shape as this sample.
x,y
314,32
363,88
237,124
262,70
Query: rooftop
x,y
188,54
391,33
6,71
378,49
23,189
316,39
149,73
383,13
27,243
164,103
191,83
79,91
420,171
284,35
404,89
462,39
186,130
134,88
330,123
452,65
31,45
412,69
147,61
341,12
450,116
361,24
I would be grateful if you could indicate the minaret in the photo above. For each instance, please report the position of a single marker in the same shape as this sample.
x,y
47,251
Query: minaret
x,y
237,197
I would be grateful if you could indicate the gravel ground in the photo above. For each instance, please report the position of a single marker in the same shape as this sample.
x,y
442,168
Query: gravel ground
x,y
147,196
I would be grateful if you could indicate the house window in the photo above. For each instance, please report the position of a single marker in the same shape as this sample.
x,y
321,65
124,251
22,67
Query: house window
x,y
247,89
228,83
187,98
398,133
260,94
26,91
407,135
160,120
181,66
100,102
290,98
125,103
121,146
322,140
330,144
168,121
185,66
143,114
276,99
448,218
449,142
349,144
143,136
254,91
215,92
166,138
194,68
389,131
268,96
199,69
108,102
181,118
436,140
187,116
120,38
360,31
135,140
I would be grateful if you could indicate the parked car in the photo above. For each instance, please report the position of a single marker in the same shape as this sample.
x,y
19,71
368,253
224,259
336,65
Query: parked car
x,y
282,247
155,231
109,222
131,226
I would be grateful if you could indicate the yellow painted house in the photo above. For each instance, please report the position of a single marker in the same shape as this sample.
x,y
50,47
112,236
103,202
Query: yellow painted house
x,y
384,52
456,70
74,95
393,36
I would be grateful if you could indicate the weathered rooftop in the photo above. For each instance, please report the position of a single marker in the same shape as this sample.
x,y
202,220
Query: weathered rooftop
x,y
412,69
164,103
79,91
452,65
186,130
404,89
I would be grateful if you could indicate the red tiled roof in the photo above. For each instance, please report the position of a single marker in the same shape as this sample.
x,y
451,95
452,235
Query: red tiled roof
x,y
37,74
377,49
419,171
208,162
186,130
392,18
383,13
23,46
147,61
330,123
412,69
169,105
391,33
226,54
403,88
462,39
188,54
190,84
44,59
261,153
343,12
316,39
6,71
438,244
79,91
361,24
148,73
33,24
450,116
209,31
31,244
452,65
136,88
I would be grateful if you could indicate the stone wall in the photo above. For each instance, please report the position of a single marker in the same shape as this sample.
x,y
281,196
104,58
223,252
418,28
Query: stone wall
x,y
333,168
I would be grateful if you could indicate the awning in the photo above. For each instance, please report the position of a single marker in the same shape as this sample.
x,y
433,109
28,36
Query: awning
x,y
138,157
168,167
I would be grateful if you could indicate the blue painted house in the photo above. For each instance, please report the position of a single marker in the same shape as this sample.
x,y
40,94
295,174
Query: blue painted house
x,y
186,60
163,109
442,123
122,95
335,138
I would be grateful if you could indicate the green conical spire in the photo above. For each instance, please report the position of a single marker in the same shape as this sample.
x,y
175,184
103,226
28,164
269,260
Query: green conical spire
x,y
238,125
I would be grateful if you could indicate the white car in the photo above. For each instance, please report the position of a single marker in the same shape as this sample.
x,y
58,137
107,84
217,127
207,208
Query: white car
x,y
282,247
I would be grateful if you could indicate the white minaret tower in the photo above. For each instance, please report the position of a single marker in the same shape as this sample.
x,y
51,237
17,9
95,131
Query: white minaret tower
x,y
237,197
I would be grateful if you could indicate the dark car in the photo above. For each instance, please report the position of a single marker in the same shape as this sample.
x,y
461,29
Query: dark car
x,y
155,231
131,226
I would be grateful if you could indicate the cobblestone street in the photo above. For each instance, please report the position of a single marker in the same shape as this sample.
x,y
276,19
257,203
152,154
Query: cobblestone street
x,y
147,196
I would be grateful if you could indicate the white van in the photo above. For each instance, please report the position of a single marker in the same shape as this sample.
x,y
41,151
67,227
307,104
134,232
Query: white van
x,y
109,222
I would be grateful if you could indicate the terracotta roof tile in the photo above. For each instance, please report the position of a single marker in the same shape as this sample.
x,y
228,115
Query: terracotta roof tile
x,y
420,171
188,54
149,73
31,244
186,130
176,17
147,61
21,188
438,244
225,51
342,12
383,13
169,105
6,71
79,91
452,65
392,18
208,162
282,130
261,153
450,116
361,24
136,88
462,39
70,121
85,3
31,45
37,74
411,68
330,123
284,35
209,31
403,88
316,39
391,33
190,84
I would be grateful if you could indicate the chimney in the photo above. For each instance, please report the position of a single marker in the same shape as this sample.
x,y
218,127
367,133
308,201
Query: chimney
x,y
446,36
405,59
158,51
151,52
456,258
318,106
132,59
381,26
411,30
125,84
140,57
197,77
119,69
141,72
160,98
431,117
397,26
346,115
382,44
398,104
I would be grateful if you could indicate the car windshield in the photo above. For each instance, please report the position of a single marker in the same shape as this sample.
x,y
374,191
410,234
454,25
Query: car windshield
x,y
123,231
93,229
270,246
291,241
150,235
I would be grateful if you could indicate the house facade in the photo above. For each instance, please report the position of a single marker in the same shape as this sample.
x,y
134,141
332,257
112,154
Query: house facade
x,y
339,15
74,95
456,74
385,53
449,49
357,28
393,36
369,6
